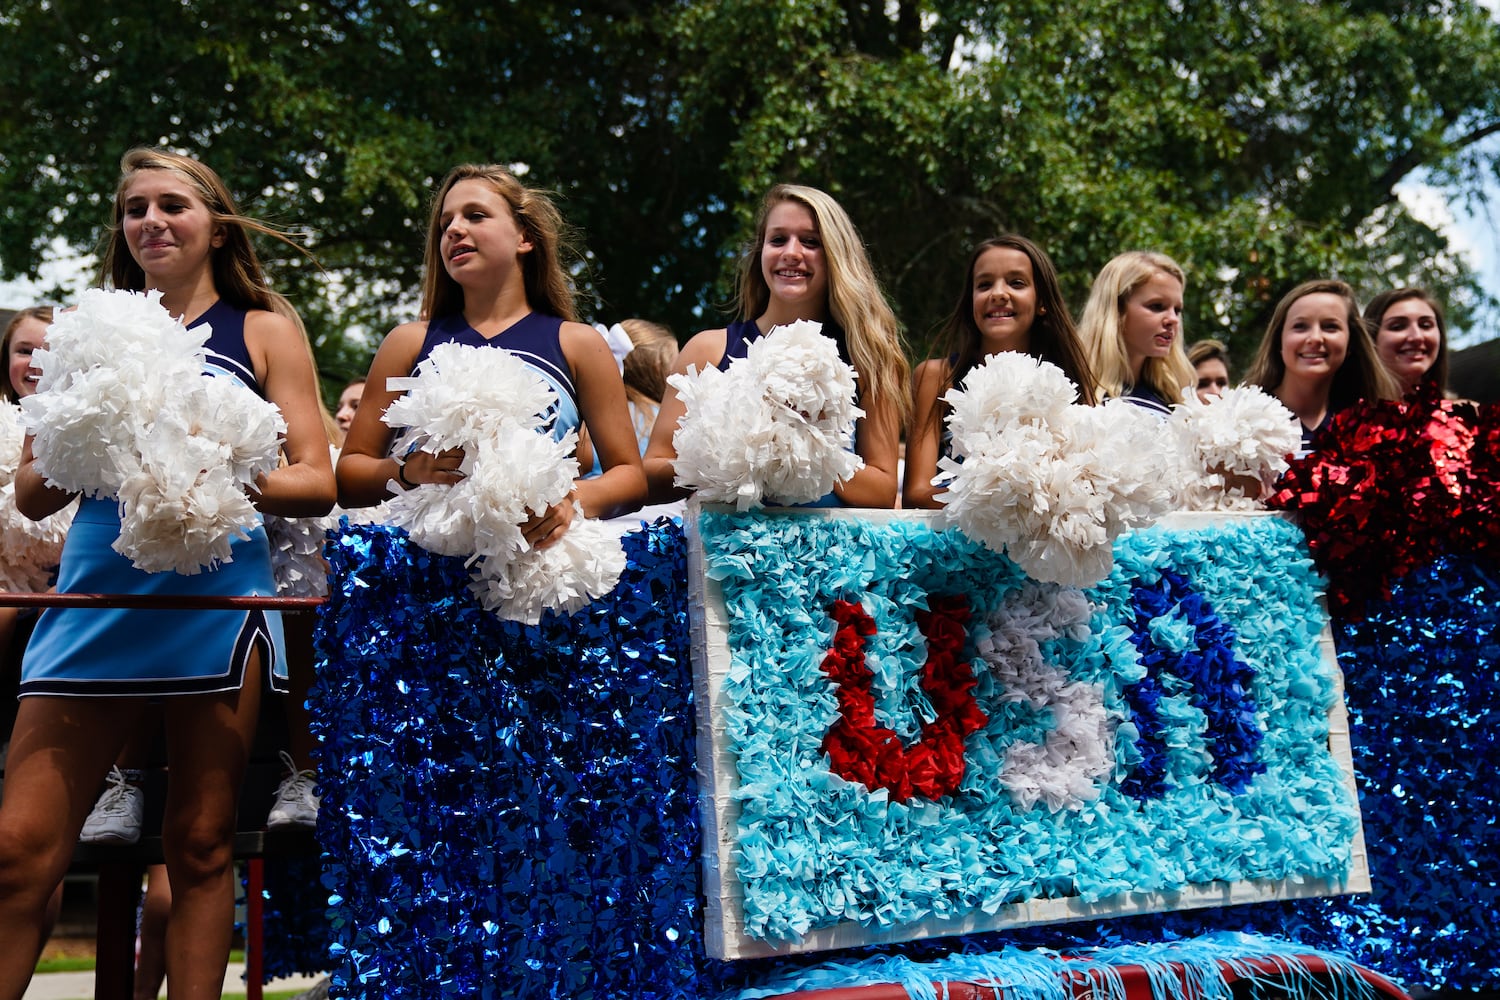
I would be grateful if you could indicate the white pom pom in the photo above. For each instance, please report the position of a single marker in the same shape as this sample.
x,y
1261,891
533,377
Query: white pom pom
x,y
1049,482
778,423
28,549
493,406
116,330
583,566
1230,447
124,409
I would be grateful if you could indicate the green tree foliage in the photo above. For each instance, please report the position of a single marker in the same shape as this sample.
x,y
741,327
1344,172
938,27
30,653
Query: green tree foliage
x,y
1258,142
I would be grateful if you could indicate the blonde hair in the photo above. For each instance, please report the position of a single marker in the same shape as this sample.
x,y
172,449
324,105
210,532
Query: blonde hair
x,y
649,361
238,276
1362,374
1101,330
42,313
855,300
548,289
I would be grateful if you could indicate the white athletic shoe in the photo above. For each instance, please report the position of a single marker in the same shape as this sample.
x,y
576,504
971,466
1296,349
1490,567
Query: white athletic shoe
x,y
117,815
296,798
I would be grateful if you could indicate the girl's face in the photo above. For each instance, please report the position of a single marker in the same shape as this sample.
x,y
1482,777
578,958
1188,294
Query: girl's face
x,y
1213,379
348,406
1408,340
24,339
1315,338
481,239
168,228
1152,319
792,261
1002,291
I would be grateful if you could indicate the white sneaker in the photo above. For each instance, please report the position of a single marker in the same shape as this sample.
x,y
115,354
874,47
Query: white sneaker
x,y
296,798
117,815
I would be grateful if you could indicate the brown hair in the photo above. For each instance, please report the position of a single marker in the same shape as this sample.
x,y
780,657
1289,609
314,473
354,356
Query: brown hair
x,y
548,289
1361,376
1052,338
43,313
649,362
238,276
1375,315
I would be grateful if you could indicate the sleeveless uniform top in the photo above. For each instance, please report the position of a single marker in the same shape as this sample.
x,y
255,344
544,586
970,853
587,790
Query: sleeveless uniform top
x,y
95,652
738,337
1309,433
1147,398
536,339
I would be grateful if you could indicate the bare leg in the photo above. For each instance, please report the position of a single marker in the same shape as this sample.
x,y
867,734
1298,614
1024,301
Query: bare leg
x,y
59,753
151,966
208,743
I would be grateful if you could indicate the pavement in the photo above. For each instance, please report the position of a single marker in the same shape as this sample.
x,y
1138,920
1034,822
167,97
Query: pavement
x,y
80,985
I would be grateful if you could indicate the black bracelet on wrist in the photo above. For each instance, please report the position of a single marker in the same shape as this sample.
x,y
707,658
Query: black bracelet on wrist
x,y
401,475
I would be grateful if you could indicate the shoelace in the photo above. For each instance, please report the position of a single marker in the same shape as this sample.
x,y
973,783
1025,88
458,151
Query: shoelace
x,y
116,798
299,782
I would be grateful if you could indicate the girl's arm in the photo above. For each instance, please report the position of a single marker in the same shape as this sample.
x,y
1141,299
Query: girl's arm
x,y
303,487
34,498
923,438
704,350
877,439
364,467
601,403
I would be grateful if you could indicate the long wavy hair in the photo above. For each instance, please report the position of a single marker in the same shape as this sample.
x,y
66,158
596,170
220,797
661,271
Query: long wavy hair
x,y
548,289
1375,315
1101,330
1362,374
238,276
855,300
1052,337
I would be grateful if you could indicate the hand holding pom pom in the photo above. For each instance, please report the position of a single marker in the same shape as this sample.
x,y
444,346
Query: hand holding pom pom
x,y
28,549
777,423
124,410
496,409
1231,447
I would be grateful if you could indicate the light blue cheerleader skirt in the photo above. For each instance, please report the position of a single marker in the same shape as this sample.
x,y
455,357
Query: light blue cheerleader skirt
x,y
98,652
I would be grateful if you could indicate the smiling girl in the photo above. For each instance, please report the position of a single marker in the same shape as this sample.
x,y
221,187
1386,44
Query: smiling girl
x,y
1011,301
88,674
807,262
23,335
1316,356
1411,337
1133,328
493,277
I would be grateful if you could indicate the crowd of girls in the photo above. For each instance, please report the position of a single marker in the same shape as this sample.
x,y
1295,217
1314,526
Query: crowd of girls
x,y
494,276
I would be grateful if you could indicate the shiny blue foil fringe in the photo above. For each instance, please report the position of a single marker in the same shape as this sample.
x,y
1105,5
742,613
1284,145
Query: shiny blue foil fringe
x,y
516,807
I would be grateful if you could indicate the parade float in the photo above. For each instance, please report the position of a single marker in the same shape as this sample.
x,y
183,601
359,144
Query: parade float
x,y
861,753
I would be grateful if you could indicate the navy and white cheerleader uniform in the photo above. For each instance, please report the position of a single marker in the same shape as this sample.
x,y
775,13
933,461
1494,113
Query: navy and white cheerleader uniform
x,y
97,652
536,340
738,337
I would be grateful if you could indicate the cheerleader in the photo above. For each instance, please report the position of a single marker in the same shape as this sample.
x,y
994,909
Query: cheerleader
x,y
1411,337
807,262
493,277
1011,301
1132,326
1317,358
88,673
